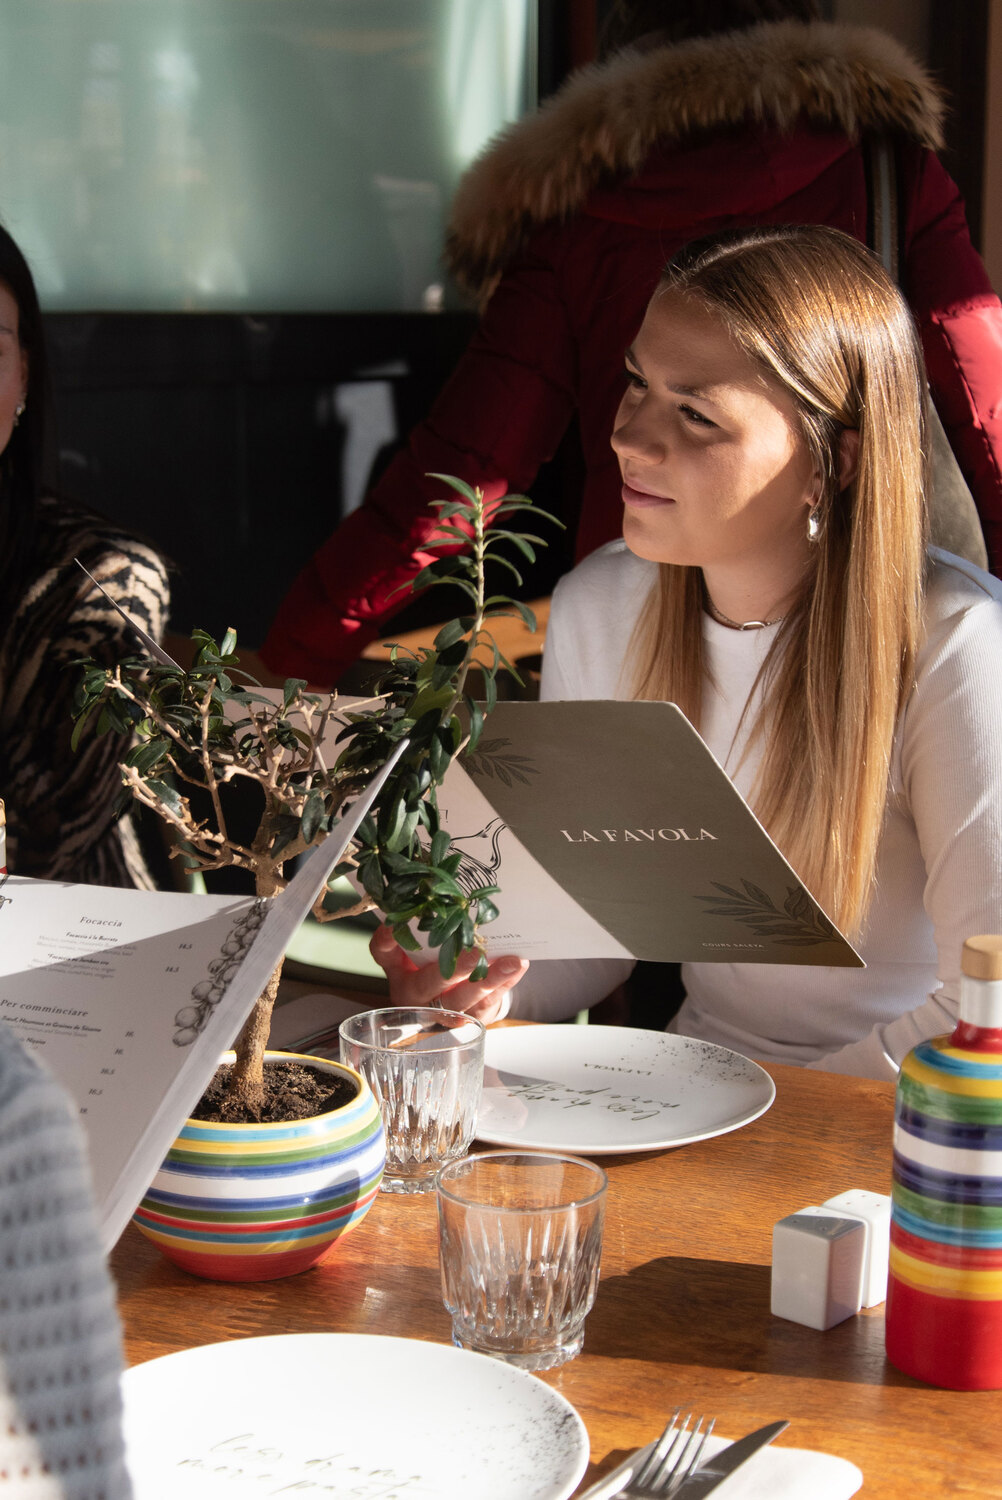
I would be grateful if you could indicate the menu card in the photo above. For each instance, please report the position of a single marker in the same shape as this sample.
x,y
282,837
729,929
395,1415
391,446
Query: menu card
x,y
130,998
612,831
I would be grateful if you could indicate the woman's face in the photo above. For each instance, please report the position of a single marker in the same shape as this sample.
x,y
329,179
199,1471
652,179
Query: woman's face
x,y
13,365
716,473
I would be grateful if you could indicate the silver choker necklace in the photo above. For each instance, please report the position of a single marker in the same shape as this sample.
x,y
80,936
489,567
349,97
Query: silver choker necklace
x,y
722,619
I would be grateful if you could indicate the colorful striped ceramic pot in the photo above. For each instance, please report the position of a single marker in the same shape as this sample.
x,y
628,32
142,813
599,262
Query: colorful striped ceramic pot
x,y
944,1300
255,1202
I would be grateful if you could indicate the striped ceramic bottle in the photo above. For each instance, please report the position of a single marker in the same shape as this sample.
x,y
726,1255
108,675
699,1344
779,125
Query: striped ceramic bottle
x,y
944,1295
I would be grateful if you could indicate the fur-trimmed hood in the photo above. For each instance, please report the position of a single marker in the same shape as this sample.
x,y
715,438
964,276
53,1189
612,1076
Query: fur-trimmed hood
x,y
606,119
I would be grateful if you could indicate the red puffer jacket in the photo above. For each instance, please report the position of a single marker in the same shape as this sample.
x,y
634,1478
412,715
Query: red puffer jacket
x,y
565,223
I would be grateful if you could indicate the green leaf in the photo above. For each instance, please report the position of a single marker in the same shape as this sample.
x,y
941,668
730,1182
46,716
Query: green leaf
x,y
503,562
459,485
510,666
229,643
527,614
484,909
516,536
145,757
168,796
399,895
522,543
81,724
446,533
452,632
399,864
443,885
371,877
430,700
447,508
441,568
313,817
293,686
122,714
286,829
445,926
448,955
392,821
448,664
467,588
522,502
406,938
440,845
452,655
476,724
438,757
409,829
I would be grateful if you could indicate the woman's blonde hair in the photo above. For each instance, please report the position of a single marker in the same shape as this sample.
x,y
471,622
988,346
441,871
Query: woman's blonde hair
x,y
818,312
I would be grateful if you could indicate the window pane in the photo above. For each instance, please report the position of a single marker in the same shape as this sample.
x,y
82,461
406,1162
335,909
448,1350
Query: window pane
x,y
268,155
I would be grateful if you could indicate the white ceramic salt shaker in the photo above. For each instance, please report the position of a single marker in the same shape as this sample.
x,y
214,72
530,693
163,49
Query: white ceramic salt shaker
x,y
874,1211
817,1267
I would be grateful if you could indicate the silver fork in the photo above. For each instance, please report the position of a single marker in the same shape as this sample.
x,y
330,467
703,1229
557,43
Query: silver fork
x,y
675,1456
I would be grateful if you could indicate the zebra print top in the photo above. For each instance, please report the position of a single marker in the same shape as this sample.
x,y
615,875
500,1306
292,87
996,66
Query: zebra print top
x,y
60,802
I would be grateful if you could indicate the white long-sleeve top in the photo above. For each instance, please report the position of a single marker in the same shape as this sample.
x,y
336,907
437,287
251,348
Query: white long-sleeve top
x,y
939,868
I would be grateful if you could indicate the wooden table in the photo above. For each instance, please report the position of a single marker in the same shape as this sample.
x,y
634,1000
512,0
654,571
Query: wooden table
x,y
682,1314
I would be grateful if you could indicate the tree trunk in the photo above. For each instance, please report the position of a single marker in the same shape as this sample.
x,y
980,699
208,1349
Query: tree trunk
x,y
246,1090
247,1079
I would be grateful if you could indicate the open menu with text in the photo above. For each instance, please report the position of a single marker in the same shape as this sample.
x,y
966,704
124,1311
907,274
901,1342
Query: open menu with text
x,y
131,997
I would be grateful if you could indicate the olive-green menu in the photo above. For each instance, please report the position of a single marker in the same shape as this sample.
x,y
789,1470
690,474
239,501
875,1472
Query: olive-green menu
x,y
611,830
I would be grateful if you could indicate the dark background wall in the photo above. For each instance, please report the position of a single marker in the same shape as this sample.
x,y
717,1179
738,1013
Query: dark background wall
x,y
220,436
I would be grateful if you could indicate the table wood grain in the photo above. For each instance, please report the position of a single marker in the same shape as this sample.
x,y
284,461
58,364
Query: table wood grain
x,y
682,1315
514,639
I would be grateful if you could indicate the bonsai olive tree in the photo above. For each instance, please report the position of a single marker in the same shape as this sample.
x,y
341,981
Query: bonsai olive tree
x,y
212,725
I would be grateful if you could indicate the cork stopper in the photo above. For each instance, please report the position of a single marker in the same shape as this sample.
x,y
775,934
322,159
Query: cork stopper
x,y
982,958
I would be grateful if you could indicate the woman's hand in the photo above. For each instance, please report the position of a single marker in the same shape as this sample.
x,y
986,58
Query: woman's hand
x,y
414,984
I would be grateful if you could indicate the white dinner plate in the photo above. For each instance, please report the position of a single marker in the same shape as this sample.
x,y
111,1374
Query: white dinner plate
x,y
596,1090
347,1414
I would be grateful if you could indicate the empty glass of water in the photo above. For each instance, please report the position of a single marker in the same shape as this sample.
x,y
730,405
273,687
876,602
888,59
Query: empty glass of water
x,y
520,1242
426,1068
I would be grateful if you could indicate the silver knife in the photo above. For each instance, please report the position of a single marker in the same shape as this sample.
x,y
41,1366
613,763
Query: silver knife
x,y
722,1464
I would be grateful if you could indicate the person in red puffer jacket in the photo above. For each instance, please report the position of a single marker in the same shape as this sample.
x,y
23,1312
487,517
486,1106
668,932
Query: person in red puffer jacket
x,y
560,231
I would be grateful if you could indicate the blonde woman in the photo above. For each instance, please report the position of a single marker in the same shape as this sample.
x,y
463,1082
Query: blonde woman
x,y
773,580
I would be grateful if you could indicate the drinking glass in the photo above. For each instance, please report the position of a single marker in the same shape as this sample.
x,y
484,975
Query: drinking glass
x,y
425,1066
520,1242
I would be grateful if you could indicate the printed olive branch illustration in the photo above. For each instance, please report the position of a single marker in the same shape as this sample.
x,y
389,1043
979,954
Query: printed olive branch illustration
x,y
800,924
491,758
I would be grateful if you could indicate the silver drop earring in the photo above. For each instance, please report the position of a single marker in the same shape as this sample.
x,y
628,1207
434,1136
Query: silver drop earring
x,y
19,411
813,526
